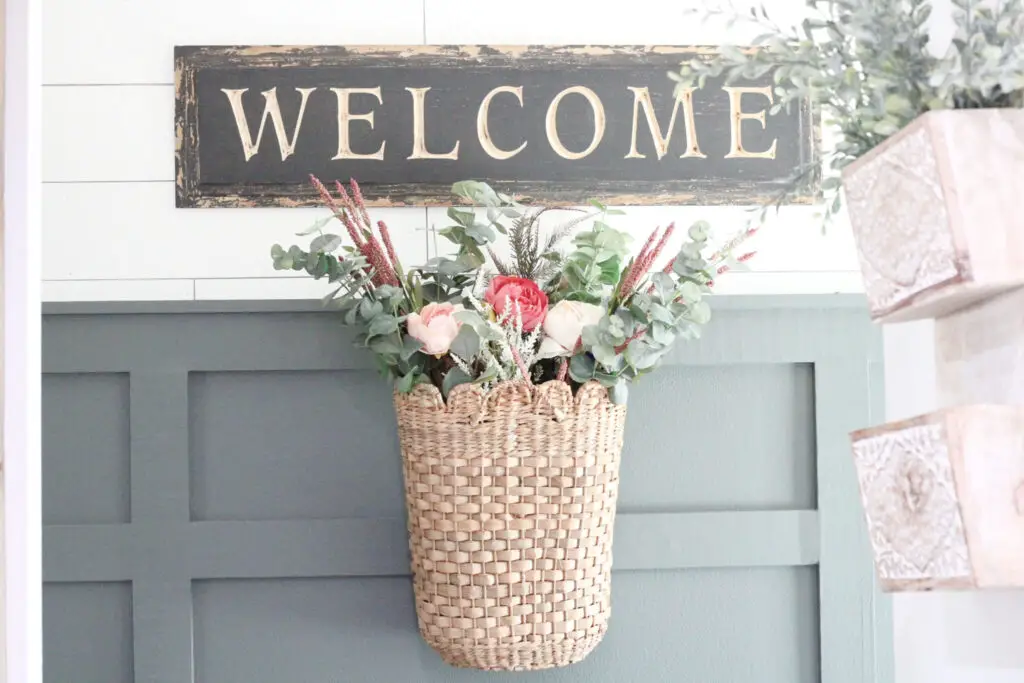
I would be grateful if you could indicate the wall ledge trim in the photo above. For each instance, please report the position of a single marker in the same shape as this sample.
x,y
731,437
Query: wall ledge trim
x,y
723,302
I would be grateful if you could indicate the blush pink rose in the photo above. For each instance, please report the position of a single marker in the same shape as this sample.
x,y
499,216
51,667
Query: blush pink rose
x,y
435,326
533,303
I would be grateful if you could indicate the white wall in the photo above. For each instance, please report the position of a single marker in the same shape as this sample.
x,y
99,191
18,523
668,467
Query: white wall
x,y
945,637
21,500
111,230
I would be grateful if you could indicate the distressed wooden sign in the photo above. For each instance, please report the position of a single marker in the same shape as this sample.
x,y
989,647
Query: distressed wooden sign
x,y
556,125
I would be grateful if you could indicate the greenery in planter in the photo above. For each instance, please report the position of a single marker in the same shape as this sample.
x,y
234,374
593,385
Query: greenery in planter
x,y
868,65
575,312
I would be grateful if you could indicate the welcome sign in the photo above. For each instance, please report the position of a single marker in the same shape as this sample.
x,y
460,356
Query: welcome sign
x,y
552,124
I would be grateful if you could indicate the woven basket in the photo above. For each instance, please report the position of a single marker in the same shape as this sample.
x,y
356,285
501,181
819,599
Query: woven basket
x,y
511,502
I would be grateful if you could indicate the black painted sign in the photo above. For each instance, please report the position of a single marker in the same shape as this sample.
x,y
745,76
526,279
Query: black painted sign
x,y
554,125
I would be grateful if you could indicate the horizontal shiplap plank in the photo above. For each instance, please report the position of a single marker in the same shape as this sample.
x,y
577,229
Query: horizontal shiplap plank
x,y
118,290
108,133
132,41
252,289
379,547
106,231
641,22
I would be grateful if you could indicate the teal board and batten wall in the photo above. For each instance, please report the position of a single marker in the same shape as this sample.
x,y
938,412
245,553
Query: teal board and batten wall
x,y
223,503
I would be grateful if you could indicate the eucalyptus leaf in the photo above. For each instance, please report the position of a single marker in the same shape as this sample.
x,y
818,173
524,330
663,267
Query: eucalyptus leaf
x,y
369,309
317,226
605,355
325,243
461,216
581,367
689,291
662,333
384,345
699,231
662,314
476,192
383,324
640,355
466,343
619,393
406,382
699,313
410,345
452,379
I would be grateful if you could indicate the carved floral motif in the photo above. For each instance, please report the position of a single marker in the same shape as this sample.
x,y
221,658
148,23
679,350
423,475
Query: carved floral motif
x,y
900,222
908,491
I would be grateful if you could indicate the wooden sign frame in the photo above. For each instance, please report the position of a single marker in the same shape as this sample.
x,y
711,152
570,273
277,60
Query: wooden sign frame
x,y
711,166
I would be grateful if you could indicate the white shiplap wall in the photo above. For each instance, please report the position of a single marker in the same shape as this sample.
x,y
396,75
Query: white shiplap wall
x,y
110,228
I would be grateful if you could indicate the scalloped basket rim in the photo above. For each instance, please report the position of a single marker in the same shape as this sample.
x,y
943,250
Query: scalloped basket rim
x,y
531,395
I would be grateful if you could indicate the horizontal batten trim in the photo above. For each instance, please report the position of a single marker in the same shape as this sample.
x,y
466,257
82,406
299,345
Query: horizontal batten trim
x,y
716,539
379,547
264,342
841,304
302,288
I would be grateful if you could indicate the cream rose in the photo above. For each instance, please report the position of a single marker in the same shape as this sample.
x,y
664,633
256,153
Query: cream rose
x,y
563,325
435,326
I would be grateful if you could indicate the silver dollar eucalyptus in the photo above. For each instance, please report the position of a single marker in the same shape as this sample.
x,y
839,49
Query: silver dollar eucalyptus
x,y
870,68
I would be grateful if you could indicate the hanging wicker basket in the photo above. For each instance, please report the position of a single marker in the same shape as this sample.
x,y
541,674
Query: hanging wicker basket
x,y
511,500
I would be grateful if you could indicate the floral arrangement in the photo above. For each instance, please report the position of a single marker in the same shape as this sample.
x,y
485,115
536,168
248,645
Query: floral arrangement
x,y
872,66
563,305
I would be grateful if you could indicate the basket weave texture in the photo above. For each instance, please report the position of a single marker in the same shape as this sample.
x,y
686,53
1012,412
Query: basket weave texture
x,y
511,500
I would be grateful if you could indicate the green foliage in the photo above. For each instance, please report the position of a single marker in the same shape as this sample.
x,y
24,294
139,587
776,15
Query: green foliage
x,y
633,338
869,65
533,256
639,315
594,265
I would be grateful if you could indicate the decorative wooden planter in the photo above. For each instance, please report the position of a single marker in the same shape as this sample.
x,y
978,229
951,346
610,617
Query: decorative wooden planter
x,y
935,219
944,496
511,501
935,212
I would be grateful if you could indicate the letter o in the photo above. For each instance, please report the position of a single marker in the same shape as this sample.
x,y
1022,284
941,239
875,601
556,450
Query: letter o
x,y
552,129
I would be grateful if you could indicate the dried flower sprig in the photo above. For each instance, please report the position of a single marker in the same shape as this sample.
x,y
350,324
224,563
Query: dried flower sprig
x,y
383,262
641,264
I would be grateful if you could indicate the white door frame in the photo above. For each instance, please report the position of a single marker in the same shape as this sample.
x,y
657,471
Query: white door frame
x,y
22,654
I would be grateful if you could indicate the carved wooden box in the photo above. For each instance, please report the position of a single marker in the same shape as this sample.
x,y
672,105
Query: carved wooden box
x,y
944,498
936,213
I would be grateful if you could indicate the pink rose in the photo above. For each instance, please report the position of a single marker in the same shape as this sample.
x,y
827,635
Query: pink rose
x,y
435,326
533,303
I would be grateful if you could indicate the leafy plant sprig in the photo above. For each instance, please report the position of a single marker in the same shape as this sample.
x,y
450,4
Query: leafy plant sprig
x,y
870,66
479,335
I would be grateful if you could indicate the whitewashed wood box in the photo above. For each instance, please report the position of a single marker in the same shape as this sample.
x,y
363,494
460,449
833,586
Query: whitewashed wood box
x,y
944,498
936,213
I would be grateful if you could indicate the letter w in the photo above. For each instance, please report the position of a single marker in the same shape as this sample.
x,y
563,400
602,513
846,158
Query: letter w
x,y
271,109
